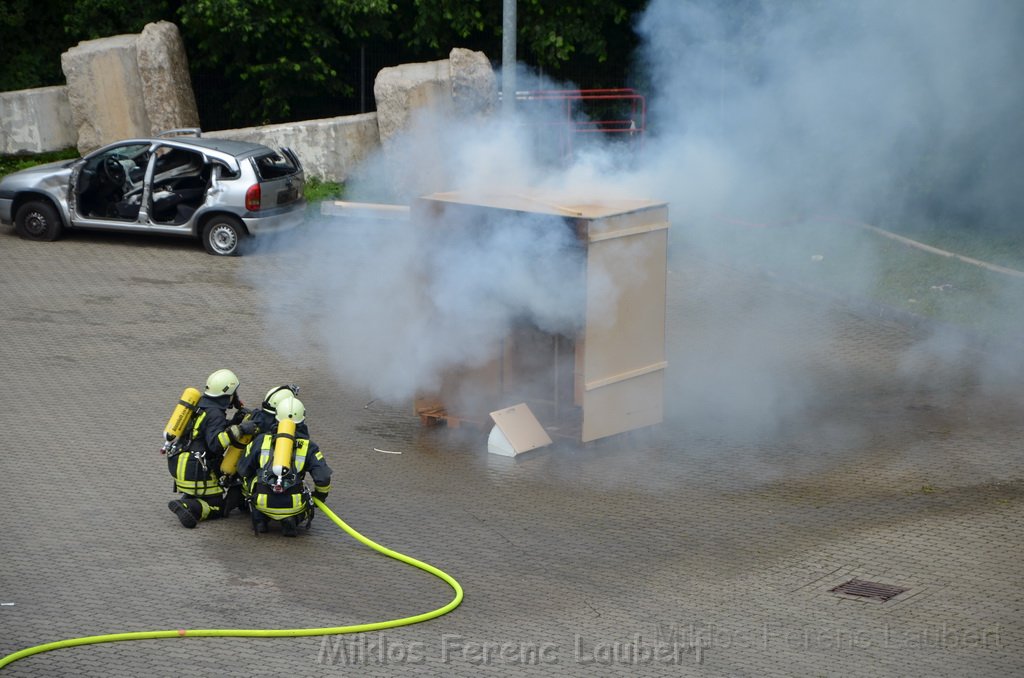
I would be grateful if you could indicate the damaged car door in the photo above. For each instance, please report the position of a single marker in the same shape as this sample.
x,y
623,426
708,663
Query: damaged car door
x,y
141,187
105,190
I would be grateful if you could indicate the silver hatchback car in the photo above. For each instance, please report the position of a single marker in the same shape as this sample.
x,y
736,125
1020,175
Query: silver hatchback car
x,y
218,190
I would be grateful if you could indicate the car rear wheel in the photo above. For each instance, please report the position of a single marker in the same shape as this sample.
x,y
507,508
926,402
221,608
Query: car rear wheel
x,y
223,236
37,220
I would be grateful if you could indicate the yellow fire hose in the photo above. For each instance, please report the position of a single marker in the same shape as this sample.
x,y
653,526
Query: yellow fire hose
x,y
271,633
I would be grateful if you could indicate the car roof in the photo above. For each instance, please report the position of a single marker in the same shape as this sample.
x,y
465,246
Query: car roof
x,y
239,149
223,148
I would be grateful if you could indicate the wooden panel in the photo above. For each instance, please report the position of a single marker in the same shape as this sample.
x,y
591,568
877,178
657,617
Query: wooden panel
x,y
627,223
624,355
625,327
623,406
543,202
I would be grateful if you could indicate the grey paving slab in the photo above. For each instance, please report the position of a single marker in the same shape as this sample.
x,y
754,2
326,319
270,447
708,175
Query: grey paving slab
x,y
804,445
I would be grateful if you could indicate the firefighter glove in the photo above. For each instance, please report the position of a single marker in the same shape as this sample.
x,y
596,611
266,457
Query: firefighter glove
x,y
322,496
247,427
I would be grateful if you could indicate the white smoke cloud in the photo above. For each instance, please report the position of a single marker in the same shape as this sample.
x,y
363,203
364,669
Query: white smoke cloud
x,y
868,108
889,112
397,303
760,111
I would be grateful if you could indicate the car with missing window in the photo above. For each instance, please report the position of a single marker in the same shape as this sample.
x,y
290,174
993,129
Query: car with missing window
x,y
178,183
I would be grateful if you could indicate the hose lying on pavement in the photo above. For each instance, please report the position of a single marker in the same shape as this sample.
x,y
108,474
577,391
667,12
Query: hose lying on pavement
x,y
271,633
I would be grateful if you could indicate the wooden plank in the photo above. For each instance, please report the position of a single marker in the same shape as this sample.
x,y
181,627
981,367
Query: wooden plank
x,y
607,381
635,230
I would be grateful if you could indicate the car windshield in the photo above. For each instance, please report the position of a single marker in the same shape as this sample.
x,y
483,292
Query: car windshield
x,y
133,152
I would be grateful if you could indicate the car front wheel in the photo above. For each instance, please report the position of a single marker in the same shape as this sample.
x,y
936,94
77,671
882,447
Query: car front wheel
x,y
223,236
37,220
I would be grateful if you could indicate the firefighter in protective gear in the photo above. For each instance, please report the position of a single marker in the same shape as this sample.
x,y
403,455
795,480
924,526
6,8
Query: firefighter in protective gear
x,y
264,417
237,494
196,468
276,488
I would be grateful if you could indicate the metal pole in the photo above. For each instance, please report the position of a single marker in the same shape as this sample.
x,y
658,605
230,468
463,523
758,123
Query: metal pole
x,y
362,78
508,57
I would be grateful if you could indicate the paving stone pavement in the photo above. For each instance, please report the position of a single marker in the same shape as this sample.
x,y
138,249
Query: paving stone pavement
x,y
804,445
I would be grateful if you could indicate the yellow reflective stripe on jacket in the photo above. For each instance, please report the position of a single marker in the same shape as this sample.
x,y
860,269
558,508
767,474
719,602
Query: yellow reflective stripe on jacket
x,y
297,507
298,503
301,445
198,422
320,488
199,488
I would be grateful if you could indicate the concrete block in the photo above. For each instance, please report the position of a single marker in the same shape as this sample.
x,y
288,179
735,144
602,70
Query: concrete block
x,y
474,86
328,148
463,84
105,91
129,86
401,90
431,96
35,121
166,86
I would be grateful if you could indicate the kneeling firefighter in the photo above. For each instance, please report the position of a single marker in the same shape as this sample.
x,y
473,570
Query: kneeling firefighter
x,y
195,459
235,492
274,467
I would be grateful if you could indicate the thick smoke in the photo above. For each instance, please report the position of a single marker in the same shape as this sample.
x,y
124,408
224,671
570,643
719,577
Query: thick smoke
x,y
412,300
398,302
896,113
875,111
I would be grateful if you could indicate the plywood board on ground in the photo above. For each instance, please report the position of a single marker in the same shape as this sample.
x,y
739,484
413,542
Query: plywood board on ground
x,y
521,428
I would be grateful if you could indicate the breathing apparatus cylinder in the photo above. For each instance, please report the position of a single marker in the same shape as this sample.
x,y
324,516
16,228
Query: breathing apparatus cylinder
x,y
229,464
284,445
181,417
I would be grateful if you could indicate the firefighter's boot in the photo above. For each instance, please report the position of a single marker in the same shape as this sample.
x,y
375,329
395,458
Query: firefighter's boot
x,y
289,527
187,513
259,522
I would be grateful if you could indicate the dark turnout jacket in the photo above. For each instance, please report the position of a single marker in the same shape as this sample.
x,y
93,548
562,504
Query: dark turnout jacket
x,y
313,461
210,428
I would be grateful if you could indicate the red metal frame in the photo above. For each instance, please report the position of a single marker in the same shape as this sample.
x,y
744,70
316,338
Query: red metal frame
x,y
633,126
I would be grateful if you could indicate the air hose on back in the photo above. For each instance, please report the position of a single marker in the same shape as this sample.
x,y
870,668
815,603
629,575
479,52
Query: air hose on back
x,y
271,633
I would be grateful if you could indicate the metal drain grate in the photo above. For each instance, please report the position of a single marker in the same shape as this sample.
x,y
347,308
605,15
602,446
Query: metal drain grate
x,y
869,589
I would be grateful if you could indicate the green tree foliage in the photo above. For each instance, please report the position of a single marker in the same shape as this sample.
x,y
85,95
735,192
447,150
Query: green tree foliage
x,y
92,19
35,33
32,36
552,34
263,61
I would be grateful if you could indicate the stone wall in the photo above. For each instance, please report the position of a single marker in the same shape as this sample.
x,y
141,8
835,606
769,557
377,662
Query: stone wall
x,y
328,148
463,85
129,86
35,121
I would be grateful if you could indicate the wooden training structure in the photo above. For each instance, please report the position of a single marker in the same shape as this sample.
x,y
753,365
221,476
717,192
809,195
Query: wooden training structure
x,y
607,379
